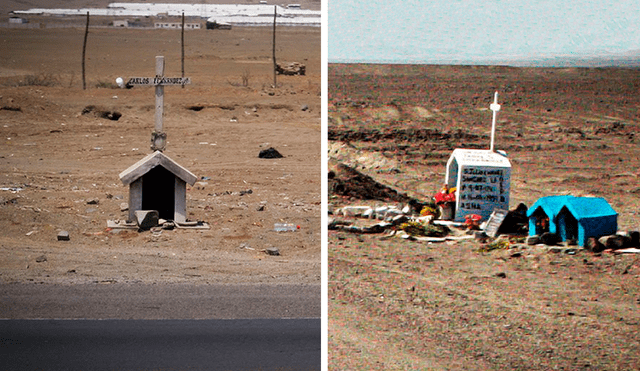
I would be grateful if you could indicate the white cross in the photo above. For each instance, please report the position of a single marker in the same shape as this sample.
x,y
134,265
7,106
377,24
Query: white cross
x,y
495,107
158,137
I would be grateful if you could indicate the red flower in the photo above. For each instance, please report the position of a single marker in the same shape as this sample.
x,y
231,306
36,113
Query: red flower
x,y
445,195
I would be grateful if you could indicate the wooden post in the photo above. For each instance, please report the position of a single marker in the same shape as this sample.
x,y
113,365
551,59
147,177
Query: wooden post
x,y
84,49
159,94
158,137
275,11
495,107
182,44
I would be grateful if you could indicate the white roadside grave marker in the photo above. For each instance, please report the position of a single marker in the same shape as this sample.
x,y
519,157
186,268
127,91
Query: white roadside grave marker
x,y
482,178
159,137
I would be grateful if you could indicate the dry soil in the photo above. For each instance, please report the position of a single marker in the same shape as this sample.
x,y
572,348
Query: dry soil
x,y
60,158
401,304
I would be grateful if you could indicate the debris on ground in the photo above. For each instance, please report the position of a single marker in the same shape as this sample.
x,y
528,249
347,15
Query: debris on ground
x,y
290,69
63,236
272,251
269,153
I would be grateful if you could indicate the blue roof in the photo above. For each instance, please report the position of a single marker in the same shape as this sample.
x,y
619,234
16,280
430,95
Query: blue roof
x,y
579,207
550,204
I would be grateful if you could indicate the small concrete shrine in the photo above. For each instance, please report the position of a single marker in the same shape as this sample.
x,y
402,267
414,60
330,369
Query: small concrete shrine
x,y
158,183
481,177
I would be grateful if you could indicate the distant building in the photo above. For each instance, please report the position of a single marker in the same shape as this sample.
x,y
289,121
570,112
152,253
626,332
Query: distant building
x,y
212,24
18,20
121,23
177,25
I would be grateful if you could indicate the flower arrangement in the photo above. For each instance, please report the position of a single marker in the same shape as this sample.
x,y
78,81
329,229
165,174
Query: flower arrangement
x,y
445,195
416,228
472,221
430,210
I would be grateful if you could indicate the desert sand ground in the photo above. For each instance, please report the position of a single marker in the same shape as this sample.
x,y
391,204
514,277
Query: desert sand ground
x,y
401,304
60,167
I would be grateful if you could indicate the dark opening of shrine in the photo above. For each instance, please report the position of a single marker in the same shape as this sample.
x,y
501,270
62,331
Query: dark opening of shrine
x,y
158,192
541,221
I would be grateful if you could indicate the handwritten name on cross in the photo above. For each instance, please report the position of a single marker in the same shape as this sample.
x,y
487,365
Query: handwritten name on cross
x,y
495,107
158,137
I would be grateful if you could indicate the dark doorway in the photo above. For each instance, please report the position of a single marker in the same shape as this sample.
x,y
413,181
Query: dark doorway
x,y
568,225
158,192
541,221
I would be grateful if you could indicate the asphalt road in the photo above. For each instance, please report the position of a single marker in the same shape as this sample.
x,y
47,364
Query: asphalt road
x,y
250,344
160,327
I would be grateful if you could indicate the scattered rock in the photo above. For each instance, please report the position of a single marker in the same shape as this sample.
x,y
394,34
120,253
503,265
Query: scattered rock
x,y
41,259
399,219
269,153
533,240
594,245
146,219
273,251
124,206
376,228
260,208
293,68
245,245
515,221
501,275
549,238
63,236
304,107
93,201
355,211
102,113
11,108
634,237
480,236
614,242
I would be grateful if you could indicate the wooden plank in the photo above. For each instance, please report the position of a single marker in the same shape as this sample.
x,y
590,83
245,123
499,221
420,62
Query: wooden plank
x,y
153,81
494,222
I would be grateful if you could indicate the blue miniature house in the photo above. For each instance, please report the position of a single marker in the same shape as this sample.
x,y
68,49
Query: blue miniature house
x,y
573,218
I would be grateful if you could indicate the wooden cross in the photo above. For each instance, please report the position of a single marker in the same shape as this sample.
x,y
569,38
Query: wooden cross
x,y
495,107
158,137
